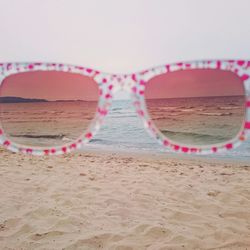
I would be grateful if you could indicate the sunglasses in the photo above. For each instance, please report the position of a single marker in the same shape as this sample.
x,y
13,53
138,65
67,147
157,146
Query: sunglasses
x,y
197,107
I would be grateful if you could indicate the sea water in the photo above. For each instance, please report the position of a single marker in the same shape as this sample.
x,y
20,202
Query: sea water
x,y
124,130
54,123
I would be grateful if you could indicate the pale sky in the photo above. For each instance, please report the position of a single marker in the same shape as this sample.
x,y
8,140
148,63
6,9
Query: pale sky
x,y
122,36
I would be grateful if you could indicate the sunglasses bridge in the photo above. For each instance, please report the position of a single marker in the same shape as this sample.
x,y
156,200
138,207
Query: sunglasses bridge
x,y
122,83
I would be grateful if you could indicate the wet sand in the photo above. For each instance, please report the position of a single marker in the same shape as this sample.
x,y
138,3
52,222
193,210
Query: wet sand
x,y
122,201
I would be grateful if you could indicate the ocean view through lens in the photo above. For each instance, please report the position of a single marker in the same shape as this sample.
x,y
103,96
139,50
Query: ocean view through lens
x,y
46,123
199,120
47,108
197,107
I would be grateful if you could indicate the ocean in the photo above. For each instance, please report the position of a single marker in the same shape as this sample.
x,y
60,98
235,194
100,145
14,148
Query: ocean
x,y
51,123
124,131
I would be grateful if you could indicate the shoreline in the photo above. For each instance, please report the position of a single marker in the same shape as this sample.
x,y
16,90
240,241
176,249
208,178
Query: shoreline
x,y
163,155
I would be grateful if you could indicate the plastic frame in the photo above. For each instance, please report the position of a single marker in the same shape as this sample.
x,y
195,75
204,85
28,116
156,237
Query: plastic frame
x,y
135,84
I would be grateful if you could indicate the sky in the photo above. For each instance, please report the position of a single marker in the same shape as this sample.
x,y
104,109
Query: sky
x,y
51,86
56,85
123,36
194,83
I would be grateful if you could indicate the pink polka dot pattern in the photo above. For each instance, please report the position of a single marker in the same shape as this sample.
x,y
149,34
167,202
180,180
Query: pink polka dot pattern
x,y
135,84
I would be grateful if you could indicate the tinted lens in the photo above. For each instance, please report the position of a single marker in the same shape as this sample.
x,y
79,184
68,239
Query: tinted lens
x,y
47,108
197,107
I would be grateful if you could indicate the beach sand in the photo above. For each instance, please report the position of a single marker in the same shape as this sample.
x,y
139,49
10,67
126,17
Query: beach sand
x,y
122,201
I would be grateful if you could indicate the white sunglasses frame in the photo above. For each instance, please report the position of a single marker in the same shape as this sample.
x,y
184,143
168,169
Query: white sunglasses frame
x,y
135,84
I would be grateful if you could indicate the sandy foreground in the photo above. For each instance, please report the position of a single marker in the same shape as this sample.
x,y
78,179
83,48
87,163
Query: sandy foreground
x,y
123,202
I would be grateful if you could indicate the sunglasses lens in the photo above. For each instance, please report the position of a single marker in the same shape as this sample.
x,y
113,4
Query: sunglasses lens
x,y
197,106
47,108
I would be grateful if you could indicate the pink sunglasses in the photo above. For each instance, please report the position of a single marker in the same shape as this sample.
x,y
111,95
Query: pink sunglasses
x,y
197,107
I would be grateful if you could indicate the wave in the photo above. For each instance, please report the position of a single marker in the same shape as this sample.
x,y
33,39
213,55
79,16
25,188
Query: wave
x,y
121,116
228,108
216,114
103,142
169,117
196,137
116,109
61,136
106,142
